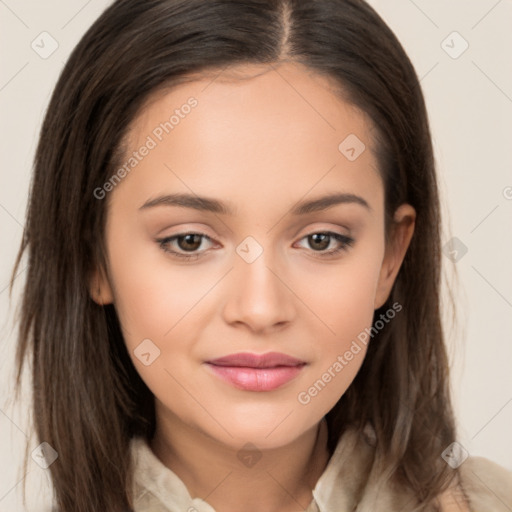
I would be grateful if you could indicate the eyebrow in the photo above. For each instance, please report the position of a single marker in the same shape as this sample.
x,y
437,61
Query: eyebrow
x,y
208,204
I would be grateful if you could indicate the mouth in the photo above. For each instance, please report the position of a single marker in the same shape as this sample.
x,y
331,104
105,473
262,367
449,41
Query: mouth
x,y
253,372
246,359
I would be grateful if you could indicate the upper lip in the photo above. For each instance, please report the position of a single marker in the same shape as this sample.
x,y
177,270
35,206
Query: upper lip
x,y
268,360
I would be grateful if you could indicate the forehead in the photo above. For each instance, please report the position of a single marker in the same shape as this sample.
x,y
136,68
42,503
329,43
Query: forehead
x,y
255,94
282,127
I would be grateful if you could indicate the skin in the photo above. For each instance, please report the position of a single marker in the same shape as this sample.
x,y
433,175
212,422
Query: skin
x,y
263,144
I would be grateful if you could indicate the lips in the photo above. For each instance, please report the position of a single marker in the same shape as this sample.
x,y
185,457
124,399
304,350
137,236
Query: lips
x,y
253,372
268,360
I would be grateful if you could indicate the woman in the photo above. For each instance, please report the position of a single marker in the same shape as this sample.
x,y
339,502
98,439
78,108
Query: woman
x,y
294,358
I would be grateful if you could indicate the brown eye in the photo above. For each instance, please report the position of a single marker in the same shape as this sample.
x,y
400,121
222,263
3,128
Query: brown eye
x,y
189,242
319,241
183,243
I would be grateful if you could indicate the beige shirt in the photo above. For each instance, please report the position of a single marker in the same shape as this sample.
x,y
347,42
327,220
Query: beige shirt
x,y
349,482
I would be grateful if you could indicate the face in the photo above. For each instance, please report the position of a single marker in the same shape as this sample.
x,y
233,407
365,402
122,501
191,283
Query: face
x,y
260,265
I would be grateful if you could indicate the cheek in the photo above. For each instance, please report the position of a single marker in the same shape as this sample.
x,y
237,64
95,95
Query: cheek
x,y
160,310
341,296
341,351
344,302
348,301
153,296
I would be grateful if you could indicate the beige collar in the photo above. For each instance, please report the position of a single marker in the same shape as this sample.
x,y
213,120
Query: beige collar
x,y
351,482
159,489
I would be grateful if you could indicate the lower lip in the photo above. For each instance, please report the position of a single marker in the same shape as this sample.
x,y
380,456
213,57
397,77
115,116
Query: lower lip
x,y
256,379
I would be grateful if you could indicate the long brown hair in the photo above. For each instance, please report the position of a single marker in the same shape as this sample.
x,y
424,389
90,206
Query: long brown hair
x,y
89,400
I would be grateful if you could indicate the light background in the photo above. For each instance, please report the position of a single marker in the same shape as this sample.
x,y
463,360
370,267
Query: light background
x,y
469,99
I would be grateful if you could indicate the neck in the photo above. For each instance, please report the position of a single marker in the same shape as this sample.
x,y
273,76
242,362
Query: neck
x,y
281,478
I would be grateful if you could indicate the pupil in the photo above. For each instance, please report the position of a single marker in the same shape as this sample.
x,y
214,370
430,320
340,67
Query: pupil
x,y
323,237
187,239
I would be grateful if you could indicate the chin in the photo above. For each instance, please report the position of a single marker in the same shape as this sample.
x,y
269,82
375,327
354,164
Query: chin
x,y
265,435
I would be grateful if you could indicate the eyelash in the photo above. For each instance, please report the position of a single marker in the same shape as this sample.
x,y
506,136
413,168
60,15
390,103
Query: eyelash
x,y
346,243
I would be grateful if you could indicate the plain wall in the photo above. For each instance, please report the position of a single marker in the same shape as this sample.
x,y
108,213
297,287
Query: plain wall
x,y
469,99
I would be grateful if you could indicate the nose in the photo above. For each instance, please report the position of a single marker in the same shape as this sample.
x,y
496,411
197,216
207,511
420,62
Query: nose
x,y
259,296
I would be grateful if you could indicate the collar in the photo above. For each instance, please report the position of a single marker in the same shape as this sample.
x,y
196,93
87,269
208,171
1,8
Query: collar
x,y
158,489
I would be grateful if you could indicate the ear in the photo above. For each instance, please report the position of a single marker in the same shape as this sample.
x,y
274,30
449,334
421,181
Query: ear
x,y
402,230
99,288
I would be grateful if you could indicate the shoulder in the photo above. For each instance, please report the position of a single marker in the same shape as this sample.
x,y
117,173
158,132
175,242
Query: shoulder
x,y
487,485
482,485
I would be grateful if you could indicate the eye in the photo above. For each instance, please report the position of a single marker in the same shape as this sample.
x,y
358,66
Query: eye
x,y
186,243
321,240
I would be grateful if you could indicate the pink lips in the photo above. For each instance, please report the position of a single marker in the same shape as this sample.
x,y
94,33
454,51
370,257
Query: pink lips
x,y
253,372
